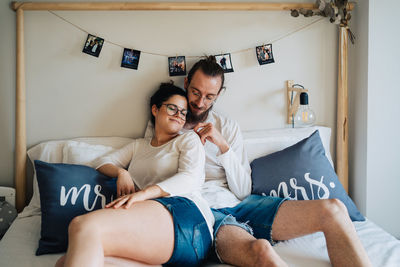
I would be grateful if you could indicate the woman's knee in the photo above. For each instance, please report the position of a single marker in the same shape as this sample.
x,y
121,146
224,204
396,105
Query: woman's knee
x,y
82,224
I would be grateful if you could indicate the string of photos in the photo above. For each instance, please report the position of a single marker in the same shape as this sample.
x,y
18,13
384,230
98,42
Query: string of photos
x,y
334,9
176,64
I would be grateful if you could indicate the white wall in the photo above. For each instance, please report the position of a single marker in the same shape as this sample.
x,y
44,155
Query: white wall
x,y
375,132
73,94
383,107
7,95
358,115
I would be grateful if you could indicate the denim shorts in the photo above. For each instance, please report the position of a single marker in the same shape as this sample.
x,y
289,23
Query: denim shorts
x,y
192,236
255,214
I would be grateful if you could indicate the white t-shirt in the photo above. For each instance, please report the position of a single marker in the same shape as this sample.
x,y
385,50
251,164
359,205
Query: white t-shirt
x,y
177,167
228,178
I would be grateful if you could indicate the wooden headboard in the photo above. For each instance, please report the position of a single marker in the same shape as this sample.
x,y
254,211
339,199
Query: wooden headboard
x,y
20,113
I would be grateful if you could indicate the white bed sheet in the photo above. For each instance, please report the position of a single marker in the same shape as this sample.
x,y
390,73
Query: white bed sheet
x,y
18,246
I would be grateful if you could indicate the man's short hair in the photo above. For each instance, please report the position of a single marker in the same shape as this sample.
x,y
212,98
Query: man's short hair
x,y
209,67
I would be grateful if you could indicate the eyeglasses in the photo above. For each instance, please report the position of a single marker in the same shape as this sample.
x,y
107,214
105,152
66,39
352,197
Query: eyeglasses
x,y
173,109
207,100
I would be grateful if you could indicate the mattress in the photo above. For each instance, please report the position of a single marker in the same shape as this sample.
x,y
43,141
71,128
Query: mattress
x,y
18,246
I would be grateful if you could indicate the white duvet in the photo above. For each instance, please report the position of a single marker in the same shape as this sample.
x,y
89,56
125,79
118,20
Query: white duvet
x,y
18,246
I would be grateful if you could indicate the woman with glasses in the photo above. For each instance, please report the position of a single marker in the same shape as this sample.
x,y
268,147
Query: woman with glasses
x,y
160,216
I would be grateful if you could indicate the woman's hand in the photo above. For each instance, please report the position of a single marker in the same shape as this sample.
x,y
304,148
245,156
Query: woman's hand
x,y
127,200
125,185
151,192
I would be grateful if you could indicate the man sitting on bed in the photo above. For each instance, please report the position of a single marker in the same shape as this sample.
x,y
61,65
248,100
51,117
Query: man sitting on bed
x,y
245,233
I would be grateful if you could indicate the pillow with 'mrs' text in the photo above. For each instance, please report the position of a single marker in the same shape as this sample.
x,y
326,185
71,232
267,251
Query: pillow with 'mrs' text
x,y
302,172
66,191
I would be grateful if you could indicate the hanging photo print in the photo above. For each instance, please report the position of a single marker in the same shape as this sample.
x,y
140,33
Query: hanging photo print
x,y
264,54
177,66
130,58
93,45
224,60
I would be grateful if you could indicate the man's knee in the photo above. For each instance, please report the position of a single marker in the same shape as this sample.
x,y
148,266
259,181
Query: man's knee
x,y
264,254
333,207
261,248
231,234
236,246
231,241
332,210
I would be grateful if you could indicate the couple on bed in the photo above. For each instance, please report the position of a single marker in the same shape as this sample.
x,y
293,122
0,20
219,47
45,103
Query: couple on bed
x,y
191,160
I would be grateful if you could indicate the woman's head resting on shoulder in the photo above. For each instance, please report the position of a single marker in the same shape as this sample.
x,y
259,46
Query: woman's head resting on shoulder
x,y
168,107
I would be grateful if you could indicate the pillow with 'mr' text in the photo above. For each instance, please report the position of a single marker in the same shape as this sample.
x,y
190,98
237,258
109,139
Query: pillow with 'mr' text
x,y
66,191
302,172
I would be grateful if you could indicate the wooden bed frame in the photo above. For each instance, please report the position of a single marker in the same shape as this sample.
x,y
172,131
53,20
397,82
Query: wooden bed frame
x,y
20,113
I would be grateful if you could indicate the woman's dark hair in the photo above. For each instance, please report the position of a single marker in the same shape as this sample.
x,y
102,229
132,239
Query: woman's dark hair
x,y
164,92
210,67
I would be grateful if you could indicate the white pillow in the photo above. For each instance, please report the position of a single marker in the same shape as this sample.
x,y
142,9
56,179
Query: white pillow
x,y
83,153
263,142
76,151
51,152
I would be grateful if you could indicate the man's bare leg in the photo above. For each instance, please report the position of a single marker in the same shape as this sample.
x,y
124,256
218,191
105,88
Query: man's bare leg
x,y
330,216
112,262
237,247
295,219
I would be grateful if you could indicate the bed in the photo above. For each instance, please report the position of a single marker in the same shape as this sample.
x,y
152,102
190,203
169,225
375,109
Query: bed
x,y
19,244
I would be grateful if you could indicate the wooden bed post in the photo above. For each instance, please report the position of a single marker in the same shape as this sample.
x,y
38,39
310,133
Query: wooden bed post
x,y
20,117
342,165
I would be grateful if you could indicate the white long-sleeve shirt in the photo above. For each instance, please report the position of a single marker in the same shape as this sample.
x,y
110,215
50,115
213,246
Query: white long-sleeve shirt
x,y
228,175
177,167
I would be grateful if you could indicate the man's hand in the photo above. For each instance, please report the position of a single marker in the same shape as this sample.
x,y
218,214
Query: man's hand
x,y
125,184
207,131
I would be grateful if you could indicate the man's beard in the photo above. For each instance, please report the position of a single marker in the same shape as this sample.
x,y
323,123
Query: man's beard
x,y
193,119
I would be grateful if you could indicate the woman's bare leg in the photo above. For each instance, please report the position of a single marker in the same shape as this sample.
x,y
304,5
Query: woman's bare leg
x,y
330,216
121,262
113,262
60,262
143,233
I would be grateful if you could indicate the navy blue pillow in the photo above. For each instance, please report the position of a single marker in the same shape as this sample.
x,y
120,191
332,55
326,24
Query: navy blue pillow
x,y
302,172
67,191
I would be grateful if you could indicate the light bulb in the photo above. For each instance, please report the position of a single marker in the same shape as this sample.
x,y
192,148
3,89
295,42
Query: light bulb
x,y
305,116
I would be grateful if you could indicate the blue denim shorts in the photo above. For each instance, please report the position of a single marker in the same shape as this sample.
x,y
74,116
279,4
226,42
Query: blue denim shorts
x,y
255,214
192,236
